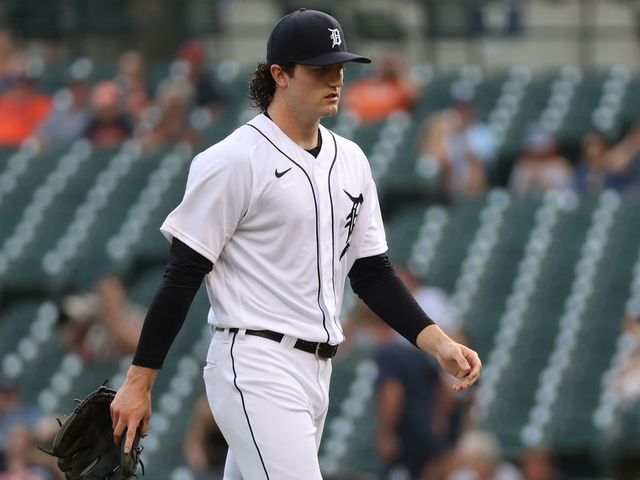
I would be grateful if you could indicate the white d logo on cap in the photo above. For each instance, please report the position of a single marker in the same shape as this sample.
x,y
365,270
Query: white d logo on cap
x,y
335,37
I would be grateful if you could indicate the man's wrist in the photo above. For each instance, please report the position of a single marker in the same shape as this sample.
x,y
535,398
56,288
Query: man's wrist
x,y
142,375
431,339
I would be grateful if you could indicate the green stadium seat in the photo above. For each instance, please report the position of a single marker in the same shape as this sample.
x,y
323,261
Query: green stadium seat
x,y
536,337
602,321
405,198
27,269
482,320
15,321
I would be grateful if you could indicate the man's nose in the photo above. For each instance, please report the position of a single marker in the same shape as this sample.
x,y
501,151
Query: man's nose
x,y
337,80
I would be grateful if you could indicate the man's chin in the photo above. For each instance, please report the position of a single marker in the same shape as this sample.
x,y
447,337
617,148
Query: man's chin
x,y
330,111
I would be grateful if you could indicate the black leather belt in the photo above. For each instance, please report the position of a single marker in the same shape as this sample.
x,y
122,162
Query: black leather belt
x,y
321,350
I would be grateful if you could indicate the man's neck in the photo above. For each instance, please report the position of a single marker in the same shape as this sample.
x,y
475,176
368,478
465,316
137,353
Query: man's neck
x,y
302,132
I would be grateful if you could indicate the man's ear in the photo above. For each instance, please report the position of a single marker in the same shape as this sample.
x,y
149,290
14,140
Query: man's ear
x,y
279,75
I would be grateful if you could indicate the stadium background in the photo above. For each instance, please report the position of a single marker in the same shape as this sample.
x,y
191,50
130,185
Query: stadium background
x,y
540,283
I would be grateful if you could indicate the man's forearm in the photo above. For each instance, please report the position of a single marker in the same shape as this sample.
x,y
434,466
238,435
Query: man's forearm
x,y
431,339
142,377
375,281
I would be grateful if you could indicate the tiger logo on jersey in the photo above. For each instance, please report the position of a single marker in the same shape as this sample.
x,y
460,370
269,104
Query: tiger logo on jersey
x,y
351,219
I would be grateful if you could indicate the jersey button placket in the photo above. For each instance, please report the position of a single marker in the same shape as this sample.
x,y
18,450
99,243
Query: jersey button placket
x,y
326,260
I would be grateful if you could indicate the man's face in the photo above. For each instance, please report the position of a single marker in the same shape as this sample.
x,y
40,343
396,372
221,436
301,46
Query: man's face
x,y
314,91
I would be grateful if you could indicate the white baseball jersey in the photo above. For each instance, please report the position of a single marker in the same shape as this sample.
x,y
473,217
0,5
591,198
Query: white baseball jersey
x,y
281,227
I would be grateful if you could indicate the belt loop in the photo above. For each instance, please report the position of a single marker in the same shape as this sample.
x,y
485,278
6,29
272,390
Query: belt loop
x,y
242,332
288,341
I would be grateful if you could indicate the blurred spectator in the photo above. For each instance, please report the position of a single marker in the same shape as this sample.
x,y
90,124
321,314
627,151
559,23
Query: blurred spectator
x,y
624,163
19,457
12,411
43,433
539,464
206,92
450,415
389,89
103,323
132,79
621,443
22,108
173,105
109,125
69,117
8,55
420,416
457,148
433,144
479,457
407,393
626,382
592,173
540,167
204,447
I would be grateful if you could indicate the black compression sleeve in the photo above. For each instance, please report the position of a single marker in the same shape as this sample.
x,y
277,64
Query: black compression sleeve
x,y
181,280
375,281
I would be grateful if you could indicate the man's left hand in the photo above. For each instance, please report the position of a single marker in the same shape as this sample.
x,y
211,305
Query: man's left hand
x,y
461,362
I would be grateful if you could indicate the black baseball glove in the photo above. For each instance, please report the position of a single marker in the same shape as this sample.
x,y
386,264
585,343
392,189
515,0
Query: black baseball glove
x,y
84,444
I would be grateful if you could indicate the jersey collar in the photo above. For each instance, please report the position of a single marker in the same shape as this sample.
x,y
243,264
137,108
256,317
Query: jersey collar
x,y
288,146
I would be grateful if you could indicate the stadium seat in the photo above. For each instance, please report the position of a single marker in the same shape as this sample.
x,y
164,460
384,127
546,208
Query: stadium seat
x,y
512,265
578,396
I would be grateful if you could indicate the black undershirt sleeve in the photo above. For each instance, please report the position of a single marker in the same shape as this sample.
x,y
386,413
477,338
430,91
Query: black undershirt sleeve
x,y
180,282
375,281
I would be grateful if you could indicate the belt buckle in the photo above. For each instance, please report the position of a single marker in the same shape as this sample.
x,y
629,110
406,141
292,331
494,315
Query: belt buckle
x,y
326,350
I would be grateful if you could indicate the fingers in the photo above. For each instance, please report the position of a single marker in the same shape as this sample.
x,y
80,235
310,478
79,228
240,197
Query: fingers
x,y
144,426
472,373
131,436
127,426
476,365
462,363
129,433
118,430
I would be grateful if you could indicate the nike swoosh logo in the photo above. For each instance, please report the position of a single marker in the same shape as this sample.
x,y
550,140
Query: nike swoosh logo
x,y
279,174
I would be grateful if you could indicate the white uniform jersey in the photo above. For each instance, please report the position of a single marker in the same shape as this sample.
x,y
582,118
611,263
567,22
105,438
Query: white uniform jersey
x,y
281,227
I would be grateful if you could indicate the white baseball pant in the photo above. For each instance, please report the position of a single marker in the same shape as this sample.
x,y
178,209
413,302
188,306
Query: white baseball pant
x,y
270,402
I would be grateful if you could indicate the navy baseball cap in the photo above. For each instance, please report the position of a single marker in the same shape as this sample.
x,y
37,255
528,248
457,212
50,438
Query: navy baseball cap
x,y
309,37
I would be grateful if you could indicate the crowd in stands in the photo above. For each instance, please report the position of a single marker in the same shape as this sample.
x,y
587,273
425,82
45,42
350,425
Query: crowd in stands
x,y
461,153
424,431
110,111
454,147
373,98
101,324
458,149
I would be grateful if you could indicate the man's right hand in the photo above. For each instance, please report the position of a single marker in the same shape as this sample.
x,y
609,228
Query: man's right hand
x,y
132,405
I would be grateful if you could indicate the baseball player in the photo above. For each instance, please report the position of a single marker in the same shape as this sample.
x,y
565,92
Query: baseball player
x,y
274,218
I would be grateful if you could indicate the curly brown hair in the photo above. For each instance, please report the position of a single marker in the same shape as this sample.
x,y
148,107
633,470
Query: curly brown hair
x,y
262,85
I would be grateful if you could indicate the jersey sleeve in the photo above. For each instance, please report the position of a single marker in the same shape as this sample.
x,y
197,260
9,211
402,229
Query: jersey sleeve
x,y
216,198
372,240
